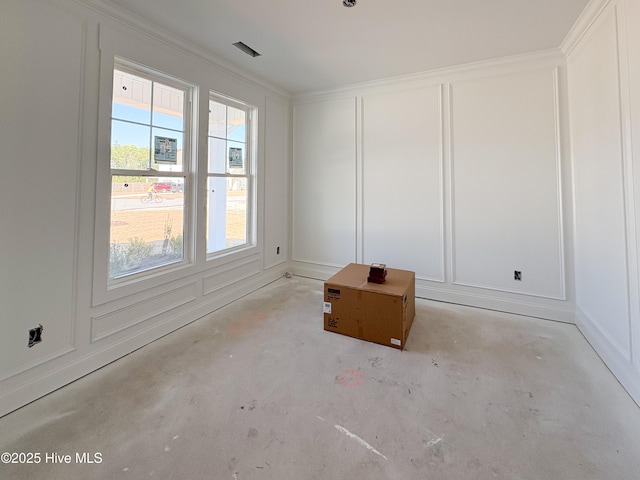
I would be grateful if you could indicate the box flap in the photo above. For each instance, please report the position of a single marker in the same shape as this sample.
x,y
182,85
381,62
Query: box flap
x,y
355,276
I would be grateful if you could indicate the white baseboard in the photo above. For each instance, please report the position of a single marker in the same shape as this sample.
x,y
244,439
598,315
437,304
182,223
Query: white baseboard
x,y
535,307
625,371
313,270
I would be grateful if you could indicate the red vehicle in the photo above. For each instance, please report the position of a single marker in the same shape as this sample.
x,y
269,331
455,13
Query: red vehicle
x,y
166,187
161,187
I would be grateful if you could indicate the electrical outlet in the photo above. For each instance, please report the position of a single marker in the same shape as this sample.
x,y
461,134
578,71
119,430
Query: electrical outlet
x,y
517,275
35,335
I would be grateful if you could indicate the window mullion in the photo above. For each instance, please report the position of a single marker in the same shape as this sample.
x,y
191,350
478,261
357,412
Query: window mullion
x,y
139,173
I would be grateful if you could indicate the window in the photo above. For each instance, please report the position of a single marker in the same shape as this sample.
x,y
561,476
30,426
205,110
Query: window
x,y
230,168
150,140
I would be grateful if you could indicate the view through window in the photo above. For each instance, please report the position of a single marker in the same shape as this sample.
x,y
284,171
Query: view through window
x,y
148,172
229,175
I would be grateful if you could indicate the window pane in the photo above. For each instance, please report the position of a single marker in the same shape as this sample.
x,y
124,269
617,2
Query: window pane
x,y
133,123
217,155
217,119
168,107
167,150
236,124
146,230
130,113
129,146
236,158
131,97
227,213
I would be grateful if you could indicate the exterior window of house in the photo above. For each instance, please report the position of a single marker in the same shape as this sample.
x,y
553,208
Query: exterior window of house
x,y
150,164
230,171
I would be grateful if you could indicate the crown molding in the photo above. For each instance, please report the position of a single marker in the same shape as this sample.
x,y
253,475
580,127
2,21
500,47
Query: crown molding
x,y
552,56
582,25
141,25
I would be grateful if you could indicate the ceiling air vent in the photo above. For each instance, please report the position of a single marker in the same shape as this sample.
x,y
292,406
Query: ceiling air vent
x,y
349,3
246,49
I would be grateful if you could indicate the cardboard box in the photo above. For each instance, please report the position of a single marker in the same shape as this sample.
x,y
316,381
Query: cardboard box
x,y
380,313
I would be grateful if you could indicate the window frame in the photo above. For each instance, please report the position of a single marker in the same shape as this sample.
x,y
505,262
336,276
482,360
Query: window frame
x,y
188,164
251,143
118,52
106,289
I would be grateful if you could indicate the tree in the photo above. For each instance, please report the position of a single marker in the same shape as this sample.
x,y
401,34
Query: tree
x,y
129,157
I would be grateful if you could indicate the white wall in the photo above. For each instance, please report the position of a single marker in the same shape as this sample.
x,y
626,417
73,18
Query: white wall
x,y
324,200
506,192
57,60
632,9
40,102
402,180
604,87
276,179
458,175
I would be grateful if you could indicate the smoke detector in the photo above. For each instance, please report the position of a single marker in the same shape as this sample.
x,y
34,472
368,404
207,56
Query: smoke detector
x,y
349,3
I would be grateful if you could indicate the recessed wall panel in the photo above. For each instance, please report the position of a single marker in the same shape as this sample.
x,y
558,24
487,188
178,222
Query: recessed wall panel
x,y
276,179
506,199
230,274
402,181
39,110
324,182
134,313
600,248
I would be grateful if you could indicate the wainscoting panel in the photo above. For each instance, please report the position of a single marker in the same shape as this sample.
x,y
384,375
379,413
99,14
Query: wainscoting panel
x,y
324,182
40,99
151,308
403,205
506,186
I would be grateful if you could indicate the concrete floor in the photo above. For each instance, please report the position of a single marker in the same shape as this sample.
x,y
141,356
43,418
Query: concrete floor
x,y
259,390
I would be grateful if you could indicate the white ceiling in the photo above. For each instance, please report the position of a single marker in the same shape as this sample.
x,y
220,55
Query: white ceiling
x,y
310,45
